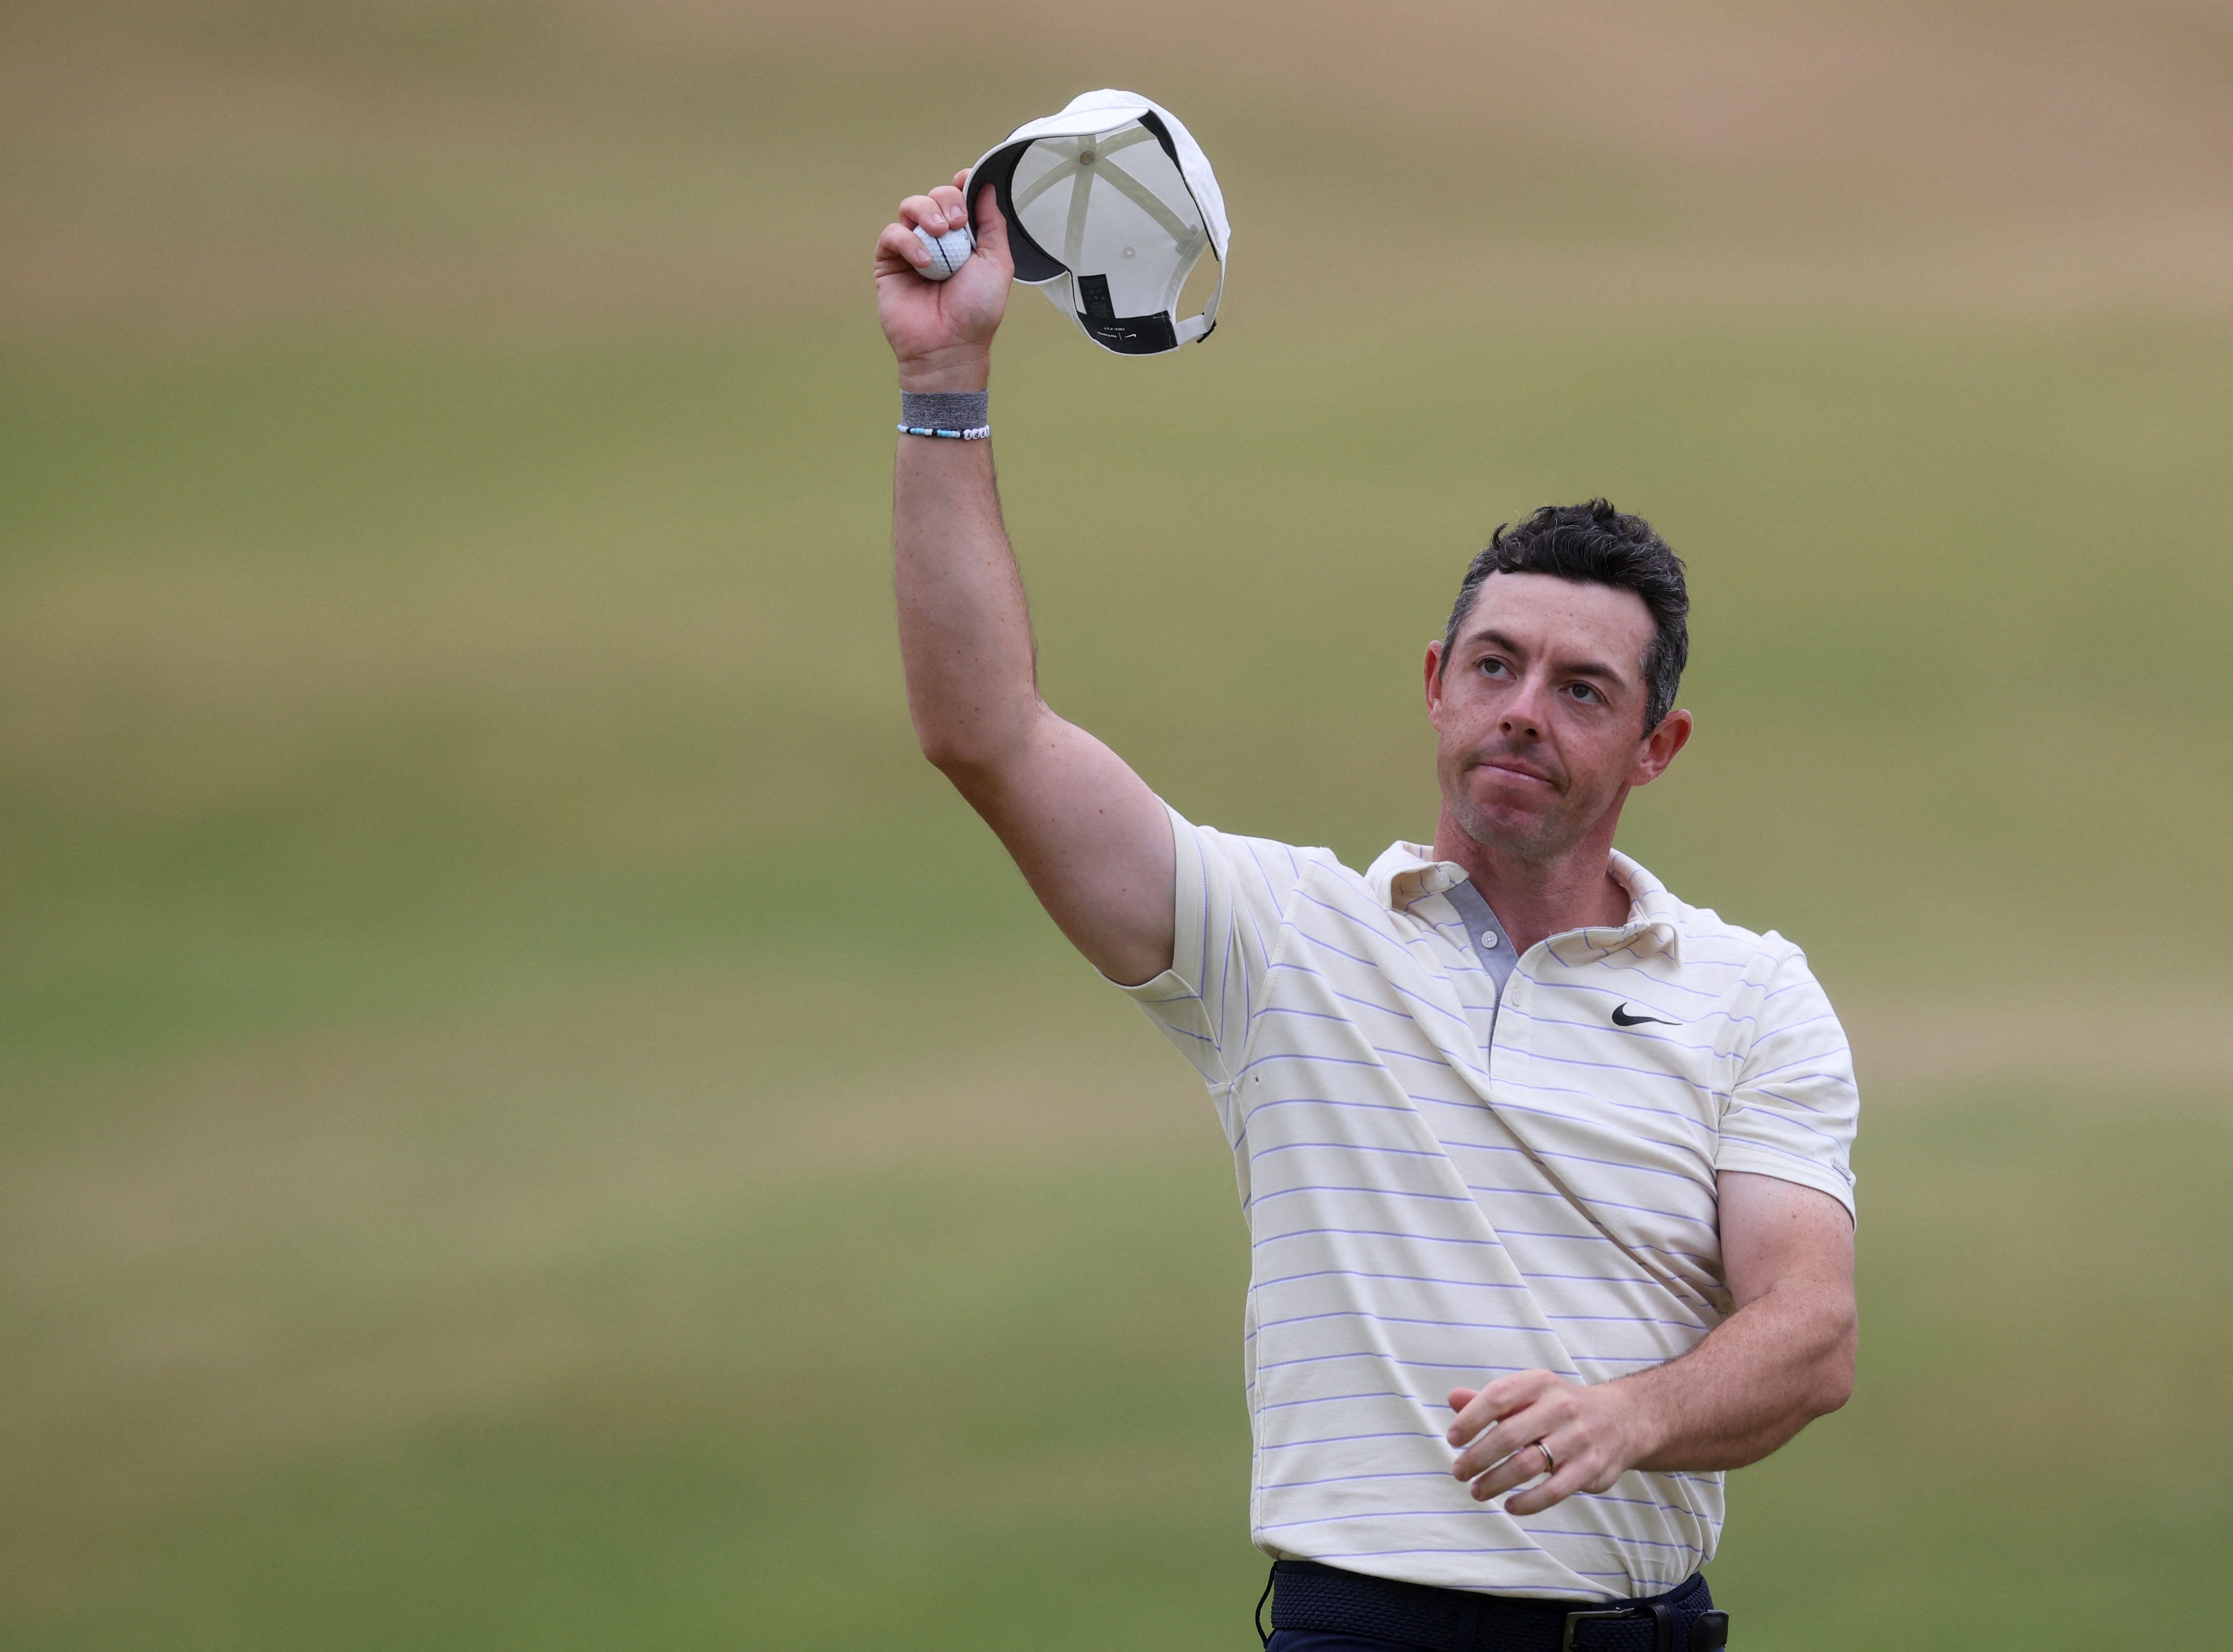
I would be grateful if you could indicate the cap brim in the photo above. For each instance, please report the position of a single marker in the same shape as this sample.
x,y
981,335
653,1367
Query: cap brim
x,y
1035,265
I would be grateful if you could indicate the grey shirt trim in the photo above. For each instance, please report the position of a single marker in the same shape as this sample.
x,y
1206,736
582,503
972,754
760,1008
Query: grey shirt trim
x,y
1486,937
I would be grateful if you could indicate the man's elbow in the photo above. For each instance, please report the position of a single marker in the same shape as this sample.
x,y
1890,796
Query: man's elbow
x,y
956,747
974,771
1833,1372
974,752
945,752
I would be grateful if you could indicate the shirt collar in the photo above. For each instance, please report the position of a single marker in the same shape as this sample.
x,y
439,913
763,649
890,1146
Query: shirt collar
x,y
1408,872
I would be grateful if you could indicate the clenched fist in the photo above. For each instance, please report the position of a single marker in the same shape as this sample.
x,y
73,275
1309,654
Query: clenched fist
x,y
941,331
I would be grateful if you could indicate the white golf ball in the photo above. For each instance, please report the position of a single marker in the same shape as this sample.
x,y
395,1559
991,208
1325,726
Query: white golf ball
x,y
948,252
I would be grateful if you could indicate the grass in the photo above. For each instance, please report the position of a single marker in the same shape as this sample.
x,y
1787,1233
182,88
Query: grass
x,y
632,1356
379,672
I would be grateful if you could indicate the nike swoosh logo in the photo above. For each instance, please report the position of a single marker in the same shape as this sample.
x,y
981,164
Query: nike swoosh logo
x,y
1621,1018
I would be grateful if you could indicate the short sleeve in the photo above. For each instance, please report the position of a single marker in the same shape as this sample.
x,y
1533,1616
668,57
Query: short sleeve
x,y
1231,896
1793,1110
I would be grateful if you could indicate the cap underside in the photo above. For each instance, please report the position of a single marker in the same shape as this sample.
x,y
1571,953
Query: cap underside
x,y
1112,209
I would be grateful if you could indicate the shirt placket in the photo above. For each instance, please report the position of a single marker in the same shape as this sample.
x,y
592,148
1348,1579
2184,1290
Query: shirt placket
x,y
1488,946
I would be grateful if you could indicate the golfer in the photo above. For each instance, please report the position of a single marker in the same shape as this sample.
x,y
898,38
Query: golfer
x,y
1544,1171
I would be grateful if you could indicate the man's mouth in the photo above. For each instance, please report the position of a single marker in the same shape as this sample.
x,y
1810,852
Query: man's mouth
x,y
1513,769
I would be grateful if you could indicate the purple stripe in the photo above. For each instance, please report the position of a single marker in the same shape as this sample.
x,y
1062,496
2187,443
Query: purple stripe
x,y
1624,1319
1380,1193
1468,1548
1844,1175
1339,1440
1312,1015
1679,1288
1376,1232
1249,1117
1400,1319
1590,1203
1270,893
1795,1101
1751,1081
1606,1238
1336,1399
1345,1480
1626,1164
1376,1514
1438,1364
1386,981
1630,969
1506,1105
1362,1147
1698,1124
1297,1055
1619,1067
1601,1536
1413,1278
1801,1125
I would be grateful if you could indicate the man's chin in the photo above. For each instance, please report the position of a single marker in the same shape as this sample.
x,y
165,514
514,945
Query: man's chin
x,y
1516,830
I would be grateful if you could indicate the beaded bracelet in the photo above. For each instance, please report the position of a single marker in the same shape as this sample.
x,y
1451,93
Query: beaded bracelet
x,y
958,415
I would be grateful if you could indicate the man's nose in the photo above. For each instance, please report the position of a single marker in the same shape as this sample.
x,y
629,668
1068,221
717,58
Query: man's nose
x,y
1522,716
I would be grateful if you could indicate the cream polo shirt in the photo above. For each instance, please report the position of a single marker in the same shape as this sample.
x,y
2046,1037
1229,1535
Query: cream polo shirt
x,y
1445,1181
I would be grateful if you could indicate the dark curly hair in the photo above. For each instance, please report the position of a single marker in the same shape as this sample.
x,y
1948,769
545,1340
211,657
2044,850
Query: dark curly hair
x,y
1595,544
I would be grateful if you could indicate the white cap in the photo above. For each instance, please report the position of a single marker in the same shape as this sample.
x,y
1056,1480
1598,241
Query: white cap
x,y
1110,204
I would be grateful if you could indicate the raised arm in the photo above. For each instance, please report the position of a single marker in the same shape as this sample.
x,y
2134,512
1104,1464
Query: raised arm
x,y
1092,840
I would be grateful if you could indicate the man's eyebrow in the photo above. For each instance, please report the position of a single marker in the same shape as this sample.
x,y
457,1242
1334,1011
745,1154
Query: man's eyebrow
x,y
1504,644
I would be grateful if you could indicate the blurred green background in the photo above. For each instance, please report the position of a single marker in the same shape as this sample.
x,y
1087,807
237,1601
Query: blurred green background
x,y
531,1119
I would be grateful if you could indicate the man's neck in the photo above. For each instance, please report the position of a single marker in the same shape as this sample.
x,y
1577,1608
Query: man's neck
x,y
1536,899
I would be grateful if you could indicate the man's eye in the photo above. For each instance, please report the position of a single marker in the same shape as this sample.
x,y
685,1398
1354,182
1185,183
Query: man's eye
x,y
1581,691
1492,668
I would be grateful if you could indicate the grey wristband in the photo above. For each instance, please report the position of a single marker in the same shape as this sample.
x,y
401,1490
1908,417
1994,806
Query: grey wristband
x,y
958,415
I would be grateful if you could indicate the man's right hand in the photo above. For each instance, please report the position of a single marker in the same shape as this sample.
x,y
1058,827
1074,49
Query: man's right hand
x,y
941,331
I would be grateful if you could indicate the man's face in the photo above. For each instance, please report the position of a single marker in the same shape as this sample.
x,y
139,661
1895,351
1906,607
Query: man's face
x,y
1539,713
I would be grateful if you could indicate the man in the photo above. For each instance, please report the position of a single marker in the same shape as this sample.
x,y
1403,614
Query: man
x,y
1546,1172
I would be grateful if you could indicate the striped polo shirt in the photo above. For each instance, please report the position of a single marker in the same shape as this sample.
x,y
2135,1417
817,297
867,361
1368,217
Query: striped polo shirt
x,y
1455,1167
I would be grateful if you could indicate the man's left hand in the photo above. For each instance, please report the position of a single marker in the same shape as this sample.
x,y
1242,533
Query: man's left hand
x,y
1594,1433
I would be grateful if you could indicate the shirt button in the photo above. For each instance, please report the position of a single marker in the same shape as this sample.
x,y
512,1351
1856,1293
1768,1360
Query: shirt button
x,y
1488,938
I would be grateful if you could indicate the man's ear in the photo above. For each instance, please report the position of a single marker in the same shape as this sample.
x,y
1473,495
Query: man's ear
x,y
1435,683
1660,748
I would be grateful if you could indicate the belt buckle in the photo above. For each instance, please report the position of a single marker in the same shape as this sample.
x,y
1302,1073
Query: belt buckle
x,y
1575,1620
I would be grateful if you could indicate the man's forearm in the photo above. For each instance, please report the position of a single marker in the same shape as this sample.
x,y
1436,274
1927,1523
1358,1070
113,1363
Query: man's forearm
x,y
965,630
1782,1359
1762,1375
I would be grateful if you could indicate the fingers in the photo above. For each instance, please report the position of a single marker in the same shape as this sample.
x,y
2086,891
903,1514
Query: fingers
x,y
938,212
1522,1463
1495,1447
1569,1478
991,227
899,248
1477,1409
1537,1430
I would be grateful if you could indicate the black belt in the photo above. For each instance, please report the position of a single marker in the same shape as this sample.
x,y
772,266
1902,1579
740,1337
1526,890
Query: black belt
x,y
1307,1595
